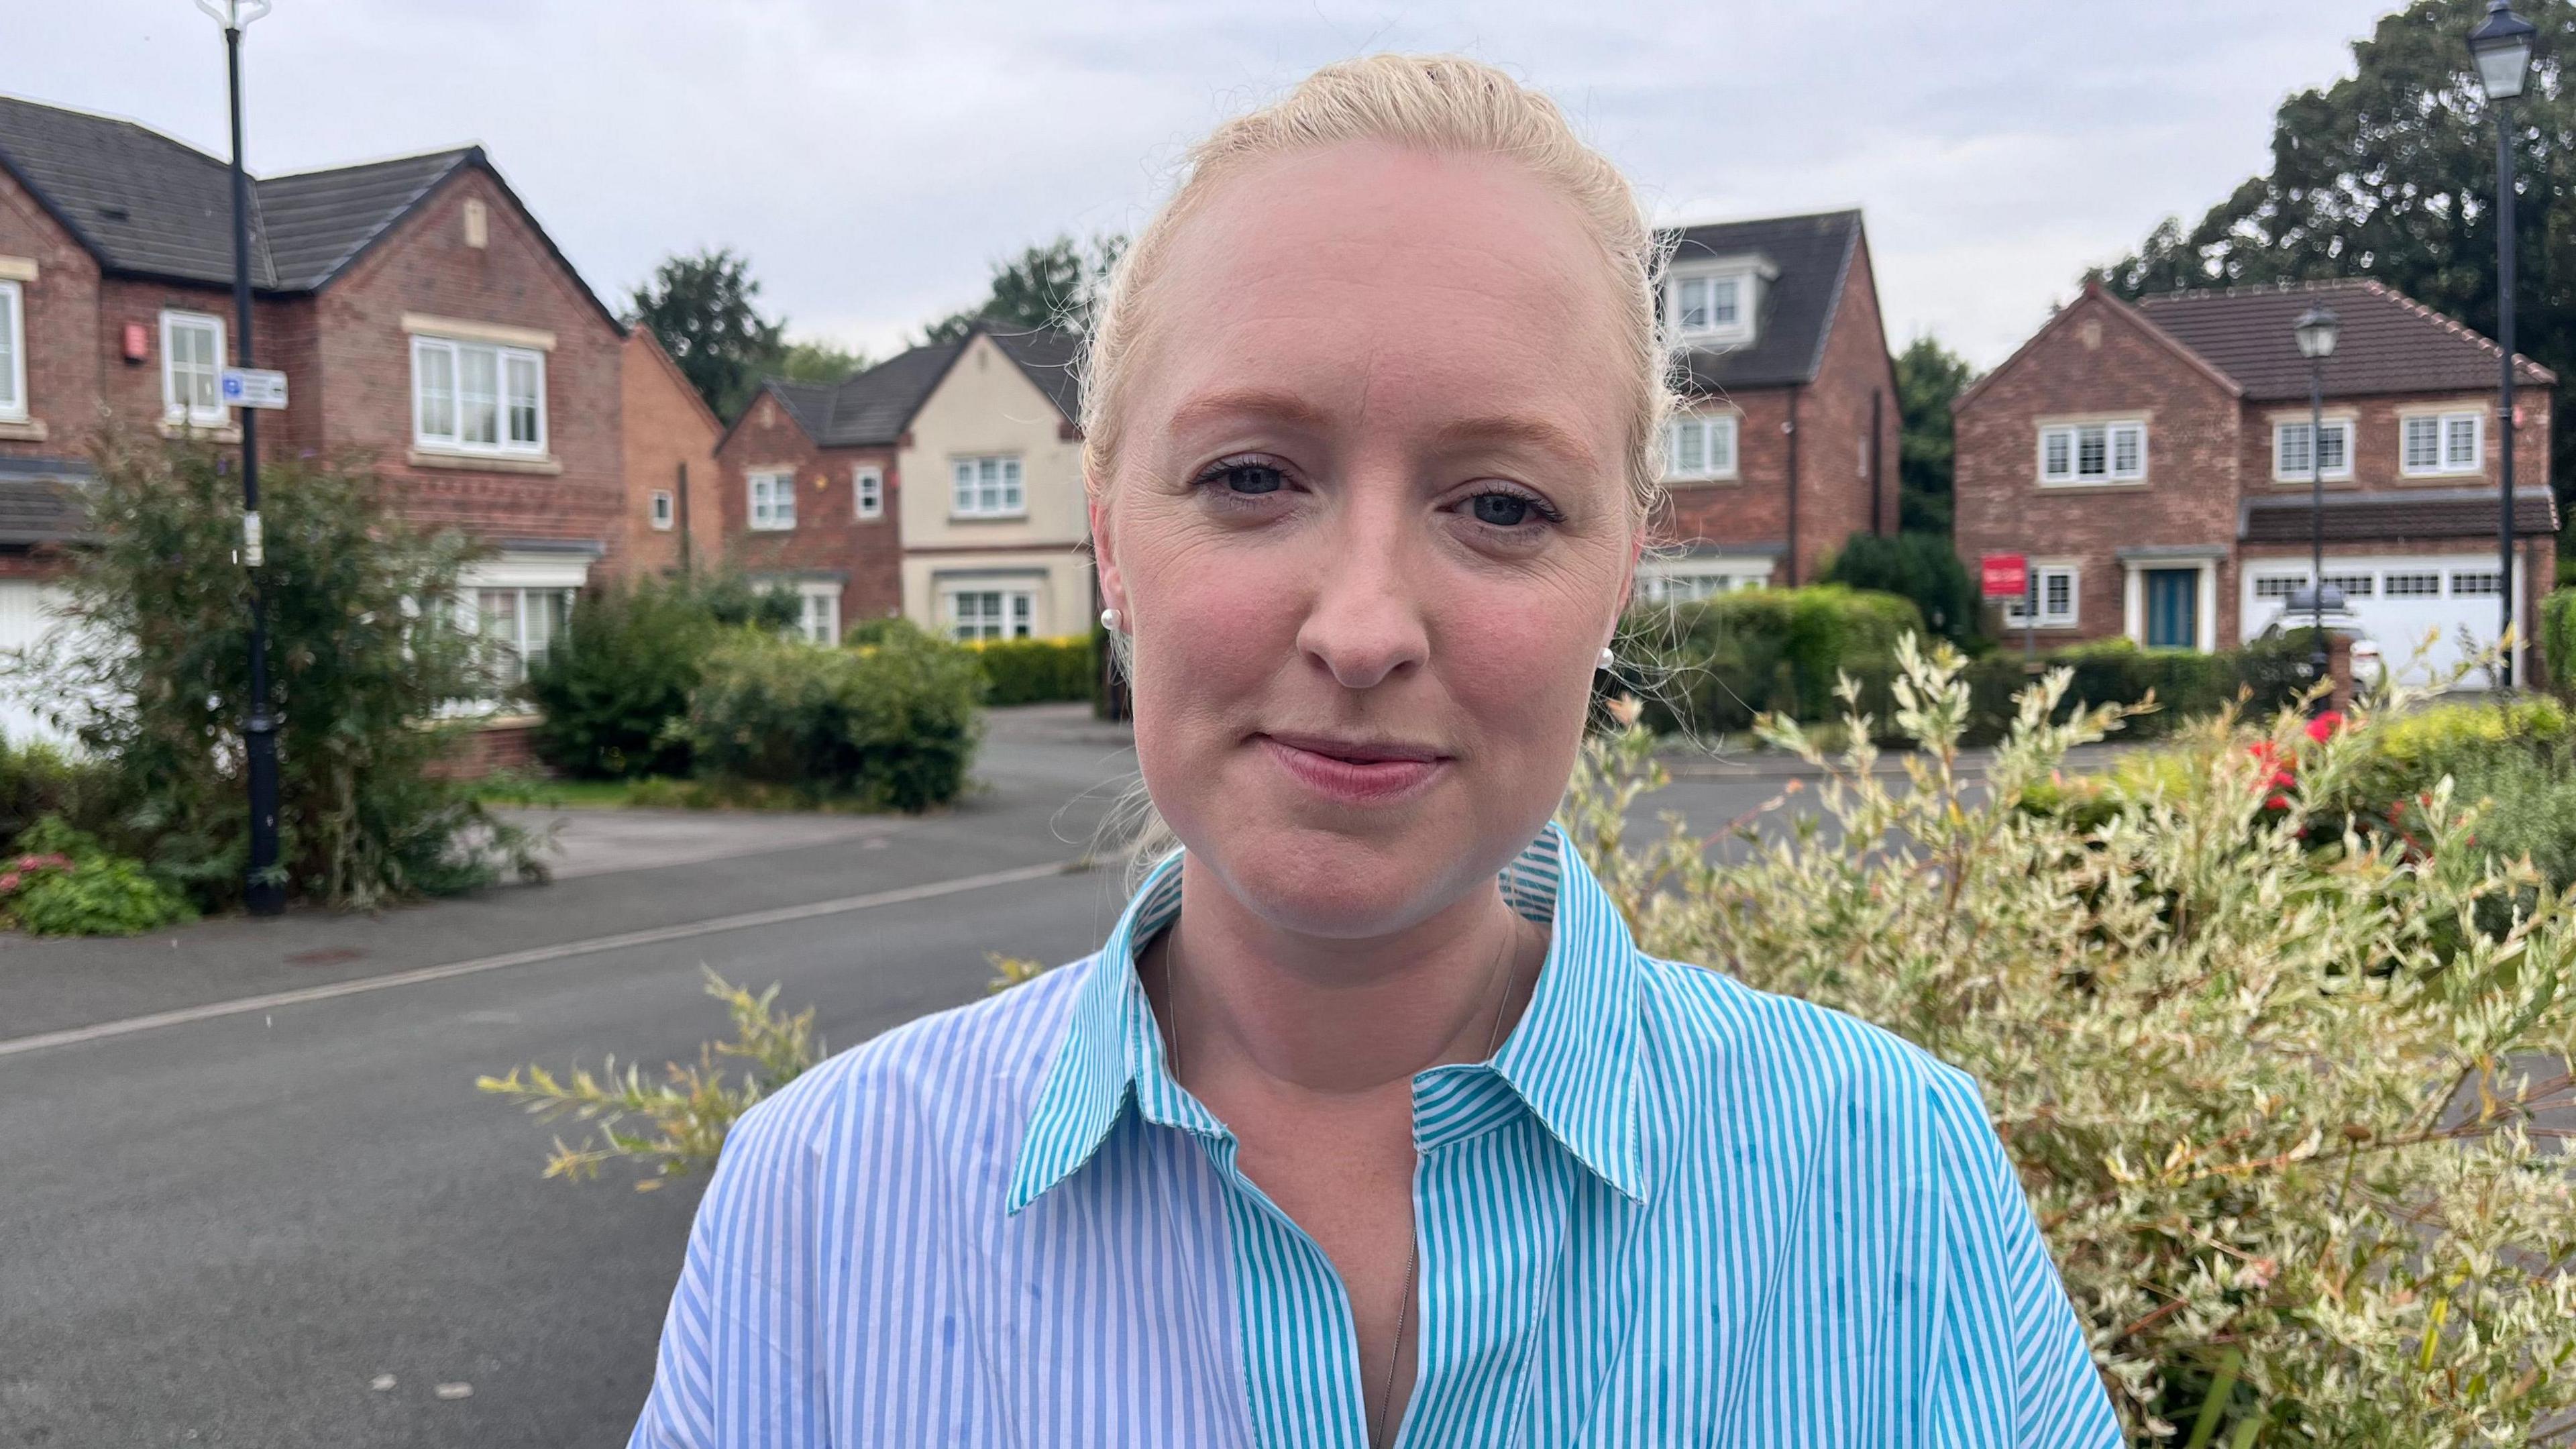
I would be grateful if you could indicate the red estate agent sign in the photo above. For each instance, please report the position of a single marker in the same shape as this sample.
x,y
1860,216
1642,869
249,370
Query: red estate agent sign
x,y
2004,575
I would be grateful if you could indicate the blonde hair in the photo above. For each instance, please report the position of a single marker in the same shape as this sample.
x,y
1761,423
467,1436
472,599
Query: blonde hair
x,y
1439,103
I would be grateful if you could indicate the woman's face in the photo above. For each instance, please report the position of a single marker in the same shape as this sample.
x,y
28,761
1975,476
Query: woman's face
x,y
1369,527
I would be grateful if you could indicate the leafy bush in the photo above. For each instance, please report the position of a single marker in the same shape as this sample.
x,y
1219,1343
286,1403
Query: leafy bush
x,y
2558,636
891,725
1716,664
614,686
1034,671
151,674
38,779
2274,1106
59,881
1918,566
2185,685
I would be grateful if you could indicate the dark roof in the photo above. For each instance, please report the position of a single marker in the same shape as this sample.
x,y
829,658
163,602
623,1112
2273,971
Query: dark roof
x,y
872,408
41,500
319,221
2426,513
1811,256
147,205
2389,342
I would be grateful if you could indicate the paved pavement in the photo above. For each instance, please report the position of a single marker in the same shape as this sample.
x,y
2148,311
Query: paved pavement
x,y
223,1229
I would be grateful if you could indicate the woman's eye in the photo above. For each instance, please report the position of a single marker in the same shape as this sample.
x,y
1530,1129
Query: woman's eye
x,y
1249,478
1502,510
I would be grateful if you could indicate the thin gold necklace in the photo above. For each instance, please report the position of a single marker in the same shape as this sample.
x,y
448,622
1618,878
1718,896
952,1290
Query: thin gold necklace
x,y
1412,1247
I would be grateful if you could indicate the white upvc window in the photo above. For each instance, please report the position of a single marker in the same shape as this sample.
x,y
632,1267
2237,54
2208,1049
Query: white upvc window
x,y
819,618
2057,587
1700,446
192,367
773,500
522,625
2476,583
2078,453
1709,306
13,352
2415,584
867,490
987,488
661,508
477,397
999,613
2441,443
2292,459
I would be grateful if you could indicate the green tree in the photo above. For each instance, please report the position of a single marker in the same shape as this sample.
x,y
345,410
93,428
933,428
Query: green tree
x,y
1055,284
1929,377
2389,173
1919,566
701,308
814,360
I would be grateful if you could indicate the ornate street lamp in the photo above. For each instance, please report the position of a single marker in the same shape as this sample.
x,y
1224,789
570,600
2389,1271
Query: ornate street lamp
x,y
2501,46
262,890
2317,329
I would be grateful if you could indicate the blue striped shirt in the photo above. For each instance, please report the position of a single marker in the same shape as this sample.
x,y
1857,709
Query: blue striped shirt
x,y
1670,1210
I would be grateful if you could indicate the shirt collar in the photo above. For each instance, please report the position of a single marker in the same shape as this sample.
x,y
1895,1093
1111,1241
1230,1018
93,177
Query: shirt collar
x,y
1572,1058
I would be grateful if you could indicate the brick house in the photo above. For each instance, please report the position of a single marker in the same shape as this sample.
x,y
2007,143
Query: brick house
x,y
1785,444
425,321
2153,462
989,542
672,521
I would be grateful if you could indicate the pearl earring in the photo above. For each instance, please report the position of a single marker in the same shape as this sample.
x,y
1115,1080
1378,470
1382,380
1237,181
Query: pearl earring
x,y
1109,620
1607,660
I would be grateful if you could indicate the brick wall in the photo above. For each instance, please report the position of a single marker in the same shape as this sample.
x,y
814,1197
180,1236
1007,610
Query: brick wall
x,y
2377,440
667,429
61,322
828,536
363,357
2096,358
1752,507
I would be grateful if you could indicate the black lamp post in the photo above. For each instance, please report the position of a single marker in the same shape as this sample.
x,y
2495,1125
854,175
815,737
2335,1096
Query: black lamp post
x,y
262,891
2316,330
2501,45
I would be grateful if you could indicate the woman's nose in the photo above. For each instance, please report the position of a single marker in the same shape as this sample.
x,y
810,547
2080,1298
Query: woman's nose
x,y
1365,620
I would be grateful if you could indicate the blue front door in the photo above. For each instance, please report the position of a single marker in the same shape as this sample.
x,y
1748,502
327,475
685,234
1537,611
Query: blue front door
x,y
2173,608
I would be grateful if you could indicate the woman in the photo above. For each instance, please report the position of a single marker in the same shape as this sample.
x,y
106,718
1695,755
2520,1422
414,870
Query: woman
x,y
1369,1124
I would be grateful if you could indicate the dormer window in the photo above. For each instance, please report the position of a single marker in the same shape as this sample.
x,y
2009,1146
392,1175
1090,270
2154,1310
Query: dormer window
x,y
1707,306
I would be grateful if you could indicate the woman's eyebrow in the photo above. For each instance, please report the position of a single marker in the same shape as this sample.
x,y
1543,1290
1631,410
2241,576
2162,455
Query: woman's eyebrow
x,y
1531,432
1267,404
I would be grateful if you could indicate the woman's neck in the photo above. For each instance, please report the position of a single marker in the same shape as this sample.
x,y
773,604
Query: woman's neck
x,y
1335,1017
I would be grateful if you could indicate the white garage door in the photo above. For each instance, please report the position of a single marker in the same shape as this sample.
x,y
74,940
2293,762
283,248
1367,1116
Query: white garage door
x,y
2398,601
27,615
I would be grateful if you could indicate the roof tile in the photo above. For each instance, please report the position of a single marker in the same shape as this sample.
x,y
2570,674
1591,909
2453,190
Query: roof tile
x,y
2389,342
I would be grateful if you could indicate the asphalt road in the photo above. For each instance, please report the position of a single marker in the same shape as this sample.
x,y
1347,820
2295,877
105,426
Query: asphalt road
x,y
227,1228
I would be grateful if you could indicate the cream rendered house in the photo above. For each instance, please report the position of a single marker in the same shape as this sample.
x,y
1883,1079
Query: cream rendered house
x,y
991,500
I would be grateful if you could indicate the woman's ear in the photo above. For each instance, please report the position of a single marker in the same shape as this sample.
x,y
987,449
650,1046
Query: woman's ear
x,y
1104,554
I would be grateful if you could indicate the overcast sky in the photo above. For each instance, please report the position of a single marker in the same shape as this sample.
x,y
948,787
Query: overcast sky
x,y
873,159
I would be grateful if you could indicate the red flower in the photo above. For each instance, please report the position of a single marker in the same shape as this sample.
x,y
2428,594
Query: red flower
x,y
2323,726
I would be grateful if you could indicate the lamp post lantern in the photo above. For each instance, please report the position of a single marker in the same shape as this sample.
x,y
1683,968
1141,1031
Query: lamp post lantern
x,y
262,891
2501,46
2317,329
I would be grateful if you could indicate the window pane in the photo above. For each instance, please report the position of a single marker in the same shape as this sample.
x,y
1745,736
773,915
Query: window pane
x,y
2414,586
2058,594
782,499
2092,452
1721,445
1721,302
1013,500
2292,448
434,376
2128,451
9,399
2423,443
2330,447
1689,454
478,395
1693,305
962,495
1022,605
2059,444
523,389
2460,441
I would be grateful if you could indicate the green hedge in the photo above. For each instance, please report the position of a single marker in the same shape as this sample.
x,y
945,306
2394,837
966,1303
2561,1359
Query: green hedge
x,y
1036,671
1714,665
891,724
2558,636
2185,684
1918,566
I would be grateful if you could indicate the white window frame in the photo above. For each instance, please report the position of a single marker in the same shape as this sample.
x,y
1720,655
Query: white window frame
x,y
968,490
2489,583
769,502
818,616
504,358
1710,428
660,511
867,491
175,408
516,641
2112,473
1734,332
2442,465
2283,472
13,368
2040,574
1015,610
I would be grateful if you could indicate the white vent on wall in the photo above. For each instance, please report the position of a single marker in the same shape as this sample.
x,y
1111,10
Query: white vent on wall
x,y
478,224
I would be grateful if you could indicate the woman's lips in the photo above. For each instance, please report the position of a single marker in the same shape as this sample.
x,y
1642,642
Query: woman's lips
x,y
1354,772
